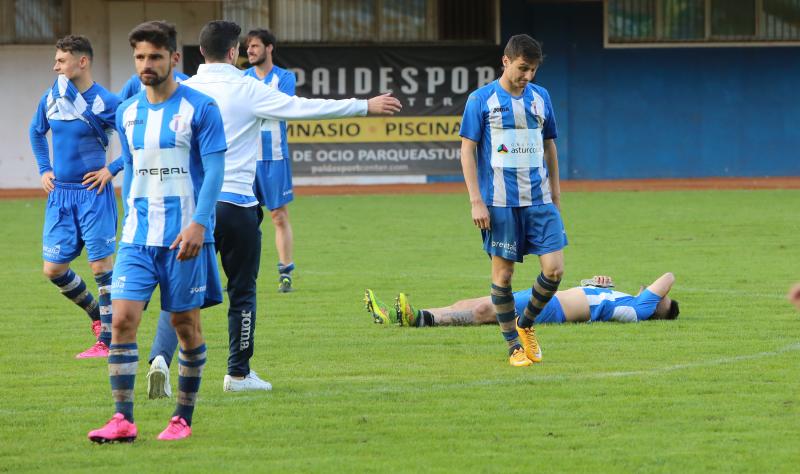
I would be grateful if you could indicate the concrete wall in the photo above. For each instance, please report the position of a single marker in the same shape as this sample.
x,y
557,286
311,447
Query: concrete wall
x,y
661,112
27,69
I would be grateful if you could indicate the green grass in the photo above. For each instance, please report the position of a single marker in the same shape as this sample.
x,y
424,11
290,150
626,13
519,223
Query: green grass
x,y
716,390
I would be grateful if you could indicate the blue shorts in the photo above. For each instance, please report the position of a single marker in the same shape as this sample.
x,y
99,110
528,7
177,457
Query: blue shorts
x,y
552,313
185,284
518,231
273,184
74,218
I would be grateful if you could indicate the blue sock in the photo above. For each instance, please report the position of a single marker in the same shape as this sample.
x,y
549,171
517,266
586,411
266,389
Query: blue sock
x,y
74,288
541,294
285,271
123,360
190,373
104,303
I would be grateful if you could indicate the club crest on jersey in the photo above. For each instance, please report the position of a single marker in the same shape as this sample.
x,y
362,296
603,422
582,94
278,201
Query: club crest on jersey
x,y
502,149
176,124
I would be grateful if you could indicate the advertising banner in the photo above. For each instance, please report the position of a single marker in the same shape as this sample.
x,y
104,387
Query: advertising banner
x,y
433,84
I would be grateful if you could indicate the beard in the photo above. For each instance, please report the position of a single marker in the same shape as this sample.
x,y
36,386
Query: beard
x,y
155,79
258,61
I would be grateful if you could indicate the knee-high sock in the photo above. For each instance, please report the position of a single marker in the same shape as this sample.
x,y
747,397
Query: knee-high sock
x,y
74,288
190,373
543,291
123,360
104,305
503,301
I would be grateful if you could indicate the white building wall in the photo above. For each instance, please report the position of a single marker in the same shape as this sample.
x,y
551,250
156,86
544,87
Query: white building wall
x,y
26,70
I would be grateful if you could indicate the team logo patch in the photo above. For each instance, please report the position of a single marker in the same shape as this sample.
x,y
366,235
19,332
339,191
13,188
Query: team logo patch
x,y
502,149
176,124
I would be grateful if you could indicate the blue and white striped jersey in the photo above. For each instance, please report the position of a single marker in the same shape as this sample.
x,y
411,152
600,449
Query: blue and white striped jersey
x,y
134,84
606,304
510,132
273,132
163,146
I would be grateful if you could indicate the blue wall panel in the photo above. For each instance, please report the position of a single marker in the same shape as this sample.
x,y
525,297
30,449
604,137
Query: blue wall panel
x,y
661,112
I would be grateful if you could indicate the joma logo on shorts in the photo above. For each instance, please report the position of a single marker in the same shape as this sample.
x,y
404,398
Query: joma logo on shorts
x,y
54,250
197,289
160,172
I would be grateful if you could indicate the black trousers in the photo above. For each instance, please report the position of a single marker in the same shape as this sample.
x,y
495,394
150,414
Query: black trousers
x,y
237,236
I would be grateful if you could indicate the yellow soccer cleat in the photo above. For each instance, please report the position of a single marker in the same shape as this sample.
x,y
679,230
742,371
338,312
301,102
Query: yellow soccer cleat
x,y
532,349
380,312
518,358
404,312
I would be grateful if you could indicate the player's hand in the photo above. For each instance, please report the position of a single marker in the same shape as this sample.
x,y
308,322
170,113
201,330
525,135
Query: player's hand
x,y
190,241
98,179
47,181
383,104
603,281
794,295
480,215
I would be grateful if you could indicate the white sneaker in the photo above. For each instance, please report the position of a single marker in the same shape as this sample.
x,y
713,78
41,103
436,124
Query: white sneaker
x,y
248,384
158,379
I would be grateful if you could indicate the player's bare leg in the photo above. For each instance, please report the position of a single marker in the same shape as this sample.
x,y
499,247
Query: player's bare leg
x,y
284,244
473,311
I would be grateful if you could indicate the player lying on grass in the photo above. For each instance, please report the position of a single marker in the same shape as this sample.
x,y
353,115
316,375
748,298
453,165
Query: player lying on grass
x,y
594,300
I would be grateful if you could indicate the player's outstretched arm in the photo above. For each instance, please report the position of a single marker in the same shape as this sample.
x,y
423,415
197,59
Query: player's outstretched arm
x,y
271,104
384,104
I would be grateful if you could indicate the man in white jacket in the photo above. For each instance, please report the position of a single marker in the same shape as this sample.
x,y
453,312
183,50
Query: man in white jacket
x,y
244,102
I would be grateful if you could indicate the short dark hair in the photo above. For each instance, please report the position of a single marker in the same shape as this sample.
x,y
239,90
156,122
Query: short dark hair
x,y
76,44
217,37
525,46
674,310
159,33
264,35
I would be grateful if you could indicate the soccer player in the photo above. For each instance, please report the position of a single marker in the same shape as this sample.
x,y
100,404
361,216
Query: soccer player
x,y
508,131
244,102
593,301
173,145
273,185
81,208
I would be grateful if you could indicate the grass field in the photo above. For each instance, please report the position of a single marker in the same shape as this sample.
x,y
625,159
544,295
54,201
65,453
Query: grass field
x,y
716,390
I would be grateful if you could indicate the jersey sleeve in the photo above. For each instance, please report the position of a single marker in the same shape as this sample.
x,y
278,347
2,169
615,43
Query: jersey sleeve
x,y
125,161
288,83
37,133
549,130
472,121
208,128
269,103
130,88
109,115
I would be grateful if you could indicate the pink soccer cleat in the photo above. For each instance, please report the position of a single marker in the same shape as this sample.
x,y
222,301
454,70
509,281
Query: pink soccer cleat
x,y
97,350
117,430
176,429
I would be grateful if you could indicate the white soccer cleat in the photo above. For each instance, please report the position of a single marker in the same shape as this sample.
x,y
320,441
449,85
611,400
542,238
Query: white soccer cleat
x,y
158,379
250,383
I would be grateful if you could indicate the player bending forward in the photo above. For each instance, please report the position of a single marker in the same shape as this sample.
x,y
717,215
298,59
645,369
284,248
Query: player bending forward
x,y
594,300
